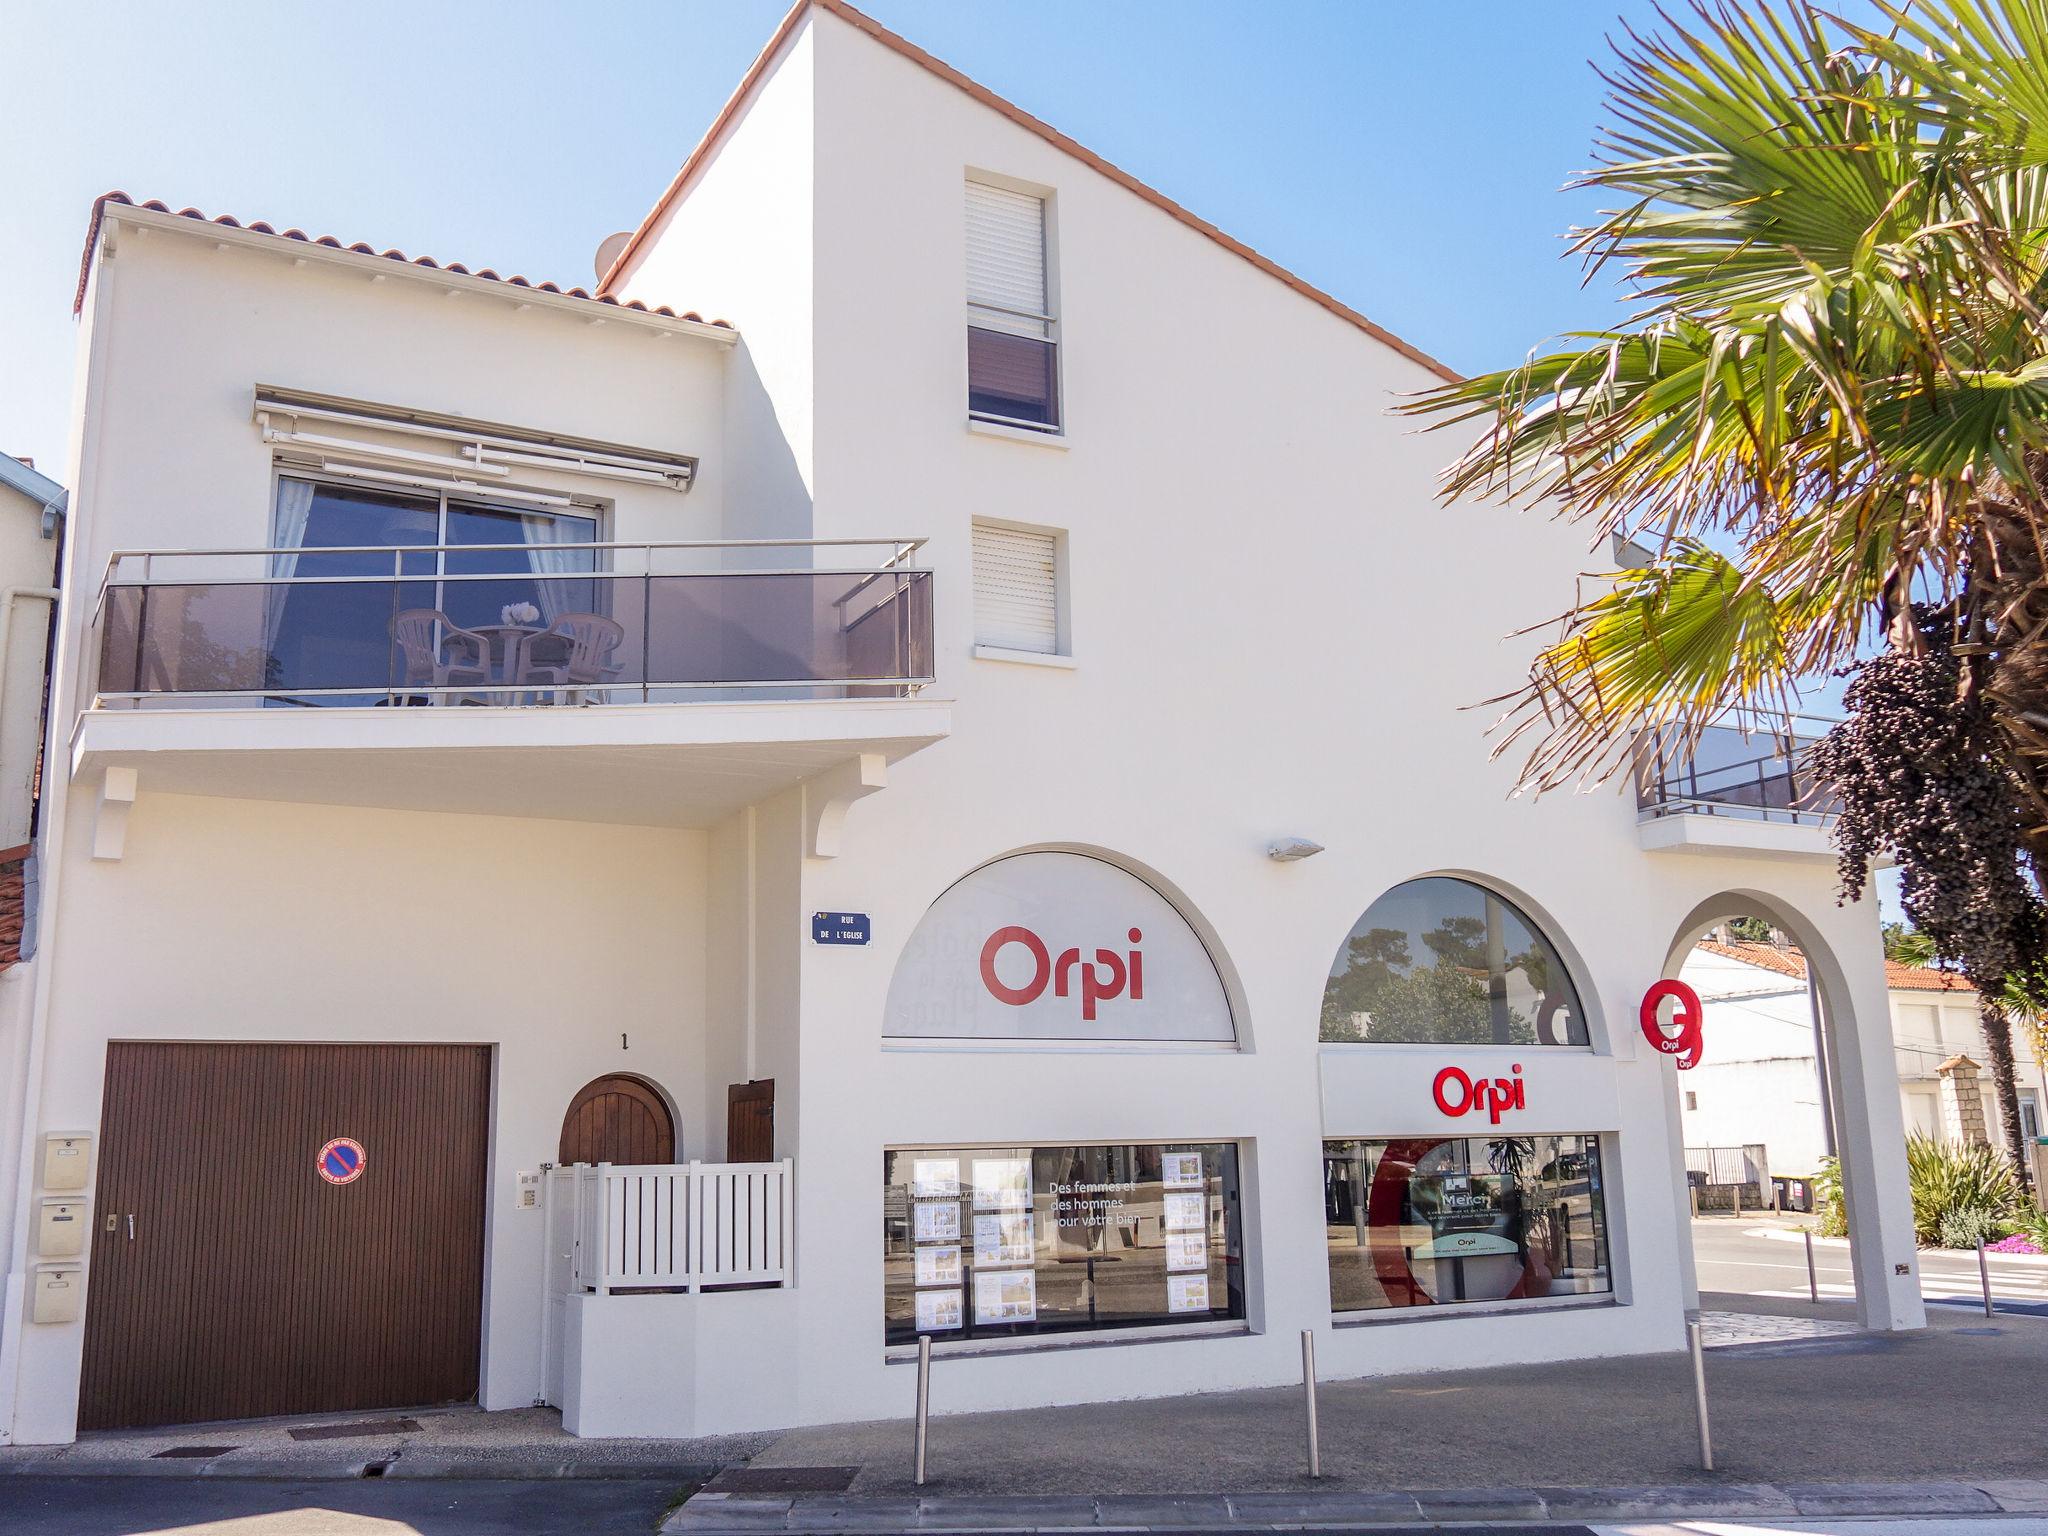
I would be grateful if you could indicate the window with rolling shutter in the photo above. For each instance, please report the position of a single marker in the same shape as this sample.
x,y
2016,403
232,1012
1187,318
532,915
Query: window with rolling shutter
x,y
1016,588
1012,334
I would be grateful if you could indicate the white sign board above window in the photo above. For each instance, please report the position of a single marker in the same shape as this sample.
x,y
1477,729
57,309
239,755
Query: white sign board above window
x,y
1056,946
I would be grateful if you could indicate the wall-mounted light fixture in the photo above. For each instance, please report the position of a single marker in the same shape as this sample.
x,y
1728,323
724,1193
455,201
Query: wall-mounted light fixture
x,y
1287,849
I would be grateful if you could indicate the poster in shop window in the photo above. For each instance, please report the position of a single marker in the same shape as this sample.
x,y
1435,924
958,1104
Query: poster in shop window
x,y
1187,1250
1004,1238
937,1311
1005,1296
1187,1293
1186,1212
936,1222
939,1266
935,1178
1181,1170
1002,1183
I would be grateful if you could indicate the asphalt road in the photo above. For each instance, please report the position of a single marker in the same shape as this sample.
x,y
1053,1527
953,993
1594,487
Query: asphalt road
x,y
1733,1257
223,1506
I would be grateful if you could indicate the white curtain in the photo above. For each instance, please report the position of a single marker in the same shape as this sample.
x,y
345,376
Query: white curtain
x,y
294,506
555,541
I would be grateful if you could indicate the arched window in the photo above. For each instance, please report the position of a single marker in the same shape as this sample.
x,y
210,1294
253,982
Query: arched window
x,y
1443,961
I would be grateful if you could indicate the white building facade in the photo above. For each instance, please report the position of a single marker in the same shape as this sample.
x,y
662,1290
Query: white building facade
x,y
1761,1084
831,765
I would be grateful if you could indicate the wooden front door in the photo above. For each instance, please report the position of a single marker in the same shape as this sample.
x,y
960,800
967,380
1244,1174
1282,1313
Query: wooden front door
x,y
229,1280
750,1122
618,1119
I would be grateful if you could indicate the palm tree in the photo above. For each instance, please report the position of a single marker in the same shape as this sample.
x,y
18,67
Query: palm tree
x,y
1824,425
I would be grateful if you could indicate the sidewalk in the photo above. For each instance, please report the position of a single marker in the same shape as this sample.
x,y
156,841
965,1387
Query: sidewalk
x,y
1837,1424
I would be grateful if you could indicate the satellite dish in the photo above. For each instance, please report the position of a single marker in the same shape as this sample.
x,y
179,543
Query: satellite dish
x,y
608,252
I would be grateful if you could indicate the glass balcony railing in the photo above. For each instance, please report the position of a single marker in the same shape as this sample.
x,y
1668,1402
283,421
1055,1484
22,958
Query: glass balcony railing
x,y
1753,769
420,625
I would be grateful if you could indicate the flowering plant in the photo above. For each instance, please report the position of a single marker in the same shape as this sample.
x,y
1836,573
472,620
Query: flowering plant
x,y
2019,1242
519,613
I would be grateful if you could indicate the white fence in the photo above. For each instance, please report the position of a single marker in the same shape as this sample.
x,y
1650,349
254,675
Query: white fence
x,y
680,1226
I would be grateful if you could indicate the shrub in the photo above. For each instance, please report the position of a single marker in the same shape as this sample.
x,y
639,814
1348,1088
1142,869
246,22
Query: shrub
x,y
1828,1205
1958,1190
1965,1228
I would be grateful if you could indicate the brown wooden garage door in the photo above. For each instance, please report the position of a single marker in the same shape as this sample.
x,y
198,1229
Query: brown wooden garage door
x,y
248,1285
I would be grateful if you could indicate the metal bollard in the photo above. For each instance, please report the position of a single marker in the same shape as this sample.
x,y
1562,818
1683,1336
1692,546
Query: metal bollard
x,y
1694,1191
924,1399
1699,1395
1812,1280
1984,1279
1308,1392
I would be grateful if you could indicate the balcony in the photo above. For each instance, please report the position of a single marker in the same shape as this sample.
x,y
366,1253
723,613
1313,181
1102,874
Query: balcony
x,y
668,683
1742,786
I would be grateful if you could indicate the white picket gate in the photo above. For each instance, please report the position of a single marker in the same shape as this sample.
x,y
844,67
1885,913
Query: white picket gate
x,y
680,1226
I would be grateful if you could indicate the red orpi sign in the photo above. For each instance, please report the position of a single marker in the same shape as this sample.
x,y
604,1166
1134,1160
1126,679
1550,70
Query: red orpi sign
x,y
1680,1035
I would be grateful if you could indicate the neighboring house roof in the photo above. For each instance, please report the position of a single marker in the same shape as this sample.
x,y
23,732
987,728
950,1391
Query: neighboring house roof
x,y
1790,962
1016,114
13,903
37,487
259,227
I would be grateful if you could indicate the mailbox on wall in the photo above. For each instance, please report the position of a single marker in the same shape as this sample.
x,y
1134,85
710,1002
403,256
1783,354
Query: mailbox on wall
x,y
67,1162
58,1290
60,1226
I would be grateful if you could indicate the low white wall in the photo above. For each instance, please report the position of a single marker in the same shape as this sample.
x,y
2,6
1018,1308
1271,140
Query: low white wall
x,y
675,1366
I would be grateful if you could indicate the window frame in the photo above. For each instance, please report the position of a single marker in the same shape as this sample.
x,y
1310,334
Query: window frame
x,y
1062,654
1055,326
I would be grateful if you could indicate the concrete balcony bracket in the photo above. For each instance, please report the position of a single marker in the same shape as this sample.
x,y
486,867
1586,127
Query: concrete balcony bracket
x,y
110,822
829,796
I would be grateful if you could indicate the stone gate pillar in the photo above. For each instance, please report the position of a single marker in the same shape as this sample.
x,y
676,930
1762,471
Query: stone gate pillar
x,y
1962,1103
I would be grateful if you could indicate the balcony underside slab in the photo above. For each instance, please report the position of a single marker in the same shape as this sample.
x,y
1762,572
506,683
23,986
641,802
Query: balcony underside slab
x,y
1693,833
678,765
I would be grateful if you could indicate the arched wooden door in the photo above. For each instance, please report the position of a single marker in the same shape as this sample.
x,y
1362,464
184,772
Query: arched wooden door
x,y
618,1119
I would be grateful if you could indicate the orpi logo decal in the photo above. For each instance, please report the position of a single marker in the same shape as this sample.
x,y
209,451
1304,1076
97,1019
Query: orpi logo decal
x,y
1680,1034
1456,1093
1109,975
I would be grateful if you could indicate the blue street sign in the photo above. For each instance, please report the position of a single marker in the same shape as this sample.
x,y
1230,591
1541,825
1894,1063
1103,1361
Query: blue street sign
x,y
839,927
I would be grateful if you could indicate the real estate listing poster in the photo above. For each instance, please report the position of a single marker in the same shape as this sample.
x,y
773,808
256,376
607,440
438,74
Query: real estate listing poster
x,y
937,1221
1003,1239
1180,1170
935,1178
1186,1213
939,1266
937,1311
1187,1293
1187,1250
1002,1183
1007,1296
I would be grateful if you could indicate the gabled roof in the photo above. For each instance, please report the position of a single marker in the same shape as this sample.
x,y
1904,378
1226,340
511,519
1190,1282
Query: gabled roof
x,y
359,248
1790,962
758,71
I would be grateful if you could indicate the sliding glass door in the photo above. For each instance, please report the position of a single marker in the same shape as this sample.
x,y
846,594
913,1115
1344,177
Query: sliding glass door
x,y
380,618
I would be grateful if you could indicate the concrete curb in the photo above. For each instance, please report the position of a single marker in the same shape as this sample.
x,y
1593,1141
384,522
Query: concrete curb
x,y
738,1514
414,1466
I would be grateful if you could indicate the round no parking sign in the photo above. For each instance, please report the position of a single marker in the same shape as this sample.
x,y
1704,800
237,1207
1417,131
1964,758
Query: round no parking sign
x,y
341,1161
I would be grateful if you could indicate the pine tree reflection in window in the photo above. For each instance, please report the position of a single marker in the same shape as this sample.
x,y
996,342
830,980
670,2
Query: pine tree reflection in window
x,y
1443,961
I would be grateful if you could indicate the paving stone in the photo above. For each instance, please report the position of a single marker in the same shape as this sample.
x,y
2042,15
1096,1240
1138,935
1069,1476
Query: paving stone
x,y
1890,1499
1333,1508
1680,1501
1480,1503
1124,1511
2018,1496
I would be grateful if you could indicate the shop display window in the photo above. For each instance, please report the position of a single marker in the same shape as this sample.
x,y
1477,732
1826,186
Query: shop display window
x,y
1445,1221
1001,1242
1446,962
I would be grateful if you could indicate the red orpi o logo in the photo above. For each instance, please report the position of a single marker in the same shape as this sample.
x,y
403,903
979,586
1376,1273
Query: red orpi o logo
x,y
1687,1044
1107,977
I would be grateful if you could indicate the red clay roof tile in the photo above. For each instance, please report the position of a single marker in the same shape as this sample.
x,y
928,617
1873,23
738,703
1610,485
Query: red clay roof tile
x,y
1790,962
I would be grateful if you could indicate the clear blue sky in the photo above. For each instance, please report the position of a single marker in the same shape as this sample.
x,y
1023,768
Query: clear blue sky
x,y
1405,156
